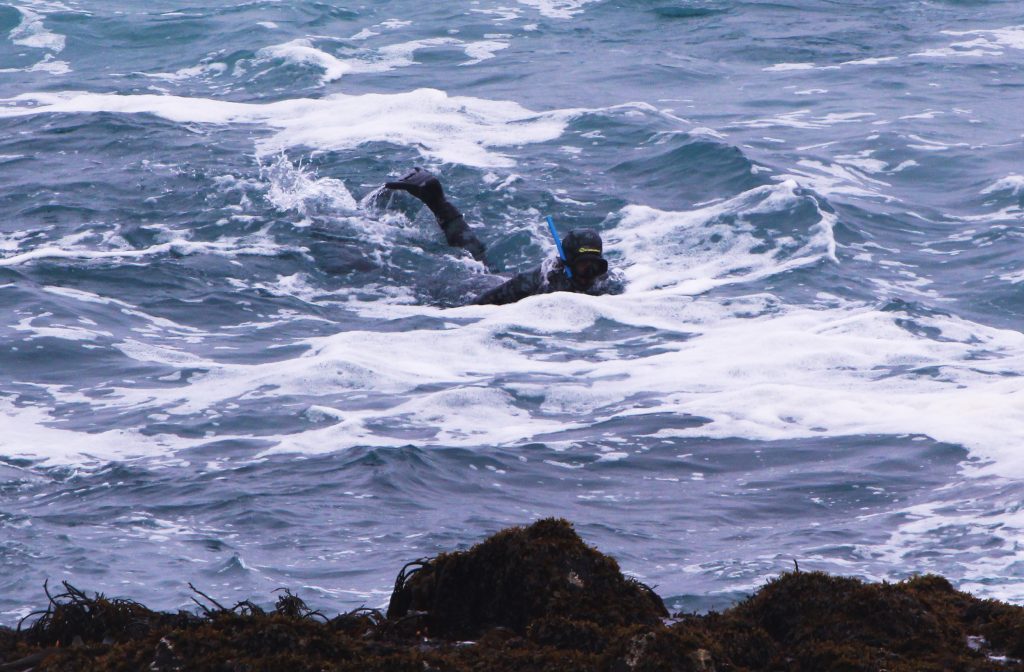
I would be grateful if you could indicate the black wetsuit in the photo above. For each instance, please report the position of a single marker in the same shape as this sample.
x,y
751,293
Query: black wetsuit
x,y
550,276
458,233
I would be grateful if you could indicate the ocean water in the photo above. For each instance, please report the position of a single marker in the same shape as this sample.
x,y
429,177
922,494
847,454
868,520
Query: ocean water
x,y
227,359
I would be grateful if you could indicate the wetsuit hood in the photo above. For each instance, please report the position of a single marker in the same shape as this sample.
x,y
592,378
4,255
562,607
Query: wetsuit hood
x,y
583,255
580,243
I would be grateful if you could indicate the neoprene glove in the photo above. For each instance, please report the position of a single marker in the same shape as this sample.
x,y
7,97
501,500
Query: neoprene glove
x,y
424,186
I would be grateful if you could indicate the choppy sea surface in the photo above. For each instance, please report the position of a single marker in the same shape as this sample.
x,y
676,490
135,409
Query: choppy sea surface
x,y
226,359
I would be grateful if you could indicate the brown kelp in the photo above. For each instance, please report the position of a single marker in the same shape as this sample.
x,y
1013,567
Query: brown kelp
x,y
534,598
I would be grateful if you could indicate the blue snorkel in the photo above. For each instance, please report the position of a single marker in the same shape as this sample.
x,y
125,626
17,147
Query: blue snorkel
x,y
558,244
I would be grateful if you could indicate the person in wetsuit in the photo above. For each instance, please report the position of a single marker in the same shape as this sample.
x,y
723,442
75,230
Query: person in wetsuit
x,y
583,249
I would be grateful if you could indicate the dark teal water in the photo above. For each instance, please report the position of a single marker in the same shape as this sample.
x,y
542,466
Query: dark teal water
x,y
227,359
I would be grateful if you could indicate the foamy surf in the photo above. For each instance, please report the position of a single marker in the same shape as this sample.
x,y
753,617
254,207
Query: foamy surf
x,y
445,128
32,32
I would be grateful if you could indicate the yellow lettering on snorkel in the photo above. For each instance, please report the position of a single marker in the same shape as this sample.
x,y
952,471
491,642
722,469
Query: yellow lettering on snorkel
x,y
590,250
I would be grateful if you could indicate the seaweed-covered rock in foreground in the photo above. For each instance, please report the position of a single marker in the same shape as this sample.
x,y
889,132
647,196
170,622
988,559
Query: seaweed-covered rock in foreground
x,y
520,575
814,621
536,599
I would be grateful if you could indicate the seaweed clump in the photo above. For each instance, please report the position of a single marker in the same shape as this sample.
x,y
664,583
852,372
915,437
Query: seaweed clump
x,y
815,621
518,576
535,598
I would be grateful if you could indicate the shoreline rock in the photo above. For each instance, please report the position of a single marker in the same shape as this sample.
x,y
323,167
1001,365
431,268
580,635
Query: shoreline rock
x,y
536,598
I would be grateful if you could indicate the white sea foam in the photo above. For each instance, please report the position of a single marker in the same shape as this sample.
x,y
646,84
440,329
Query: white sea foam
x,y
872,61
294,189
863,162
557,9
401,55
447,128
971,49
10,242
847,178
201,70
790,373
1013,278
303,52
809,373
789,67
802,119
1012,183
32,33
792,67
144,324
70,248
1011,37
298,286
482,51
51,6
991,571
928,145
67,332
48,64
999,218
51,65
985,43
704,131
365,33
30,433
501,14
695,251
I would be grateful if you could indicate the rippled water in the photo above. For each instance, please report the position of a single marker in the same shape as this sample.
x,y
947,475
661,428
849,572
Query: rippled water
x,y
227,360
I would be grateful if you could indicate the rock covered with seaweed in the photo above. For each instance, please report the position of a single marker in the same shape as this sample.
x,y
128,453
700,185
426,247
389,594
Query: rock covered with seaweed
x,y
535,598
517,577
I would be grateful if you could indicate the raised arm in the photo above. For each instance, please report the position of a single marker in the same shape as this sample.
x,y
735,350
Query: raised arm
x,y
424,186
